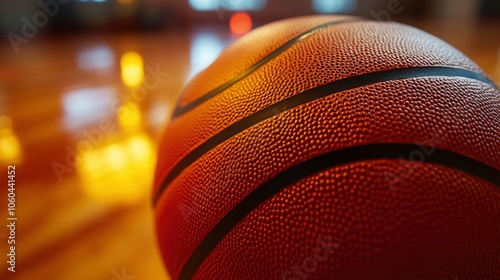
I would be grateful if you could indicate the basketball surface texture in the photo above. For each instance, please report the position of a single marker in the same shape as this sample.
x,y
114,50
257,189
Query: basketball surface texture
x,y
333,147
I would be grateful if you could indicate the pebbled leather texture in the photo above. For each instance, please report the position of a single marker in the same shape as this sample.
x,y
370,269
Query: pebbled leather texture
x,y
401,218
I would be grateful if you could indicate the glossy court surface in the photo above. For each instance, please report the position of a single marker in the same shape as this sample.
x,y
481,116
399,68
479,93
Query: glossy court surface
x,y
80,117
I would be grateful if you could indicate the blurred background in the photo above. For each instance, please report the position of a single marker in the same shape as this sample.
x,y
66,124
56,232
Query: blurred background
x,y
86,86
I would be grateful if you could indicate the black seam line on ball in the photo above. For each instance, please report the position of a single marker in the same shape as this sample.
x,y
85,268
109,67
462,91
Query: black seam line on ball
x,y
180,110
311,95
395,151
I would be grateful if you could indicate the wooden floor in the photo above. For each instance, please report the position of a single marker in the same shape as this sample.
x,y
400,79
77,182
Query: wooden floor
x,y
82,132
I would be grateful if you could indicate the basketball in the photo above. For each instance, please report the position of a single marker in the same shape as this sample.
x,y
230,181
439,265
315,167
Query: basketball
x,y
332,147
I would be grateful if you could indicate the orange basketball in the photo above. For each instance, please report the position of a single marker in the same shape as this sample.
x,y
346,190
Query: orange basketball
x,y
333,147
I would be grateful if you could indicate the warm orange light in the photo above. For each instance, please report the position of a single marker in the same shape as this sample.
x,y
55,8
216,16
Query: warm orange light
x,y
129,117
119,172
10,148
240,23
132,69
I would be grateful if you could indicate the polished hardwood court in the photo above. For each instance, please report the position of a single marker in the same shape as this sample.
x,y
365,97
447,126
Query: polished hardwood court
x,y
80,116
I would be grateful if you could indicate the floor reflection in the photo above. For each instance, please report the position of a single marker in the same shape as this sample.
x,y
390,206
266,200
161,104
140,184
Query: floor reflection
x,y
83,135
10,148
128,161
87,105
96,58
132,69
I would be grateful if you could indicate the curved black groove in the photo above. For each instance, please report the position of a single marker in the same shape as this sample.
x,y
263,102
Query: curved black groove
x,y
310,95
179,110
305,169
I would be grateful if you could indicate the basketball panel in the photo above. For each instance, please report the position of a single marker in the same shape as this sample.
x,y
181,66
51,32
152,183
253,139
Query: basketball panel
x,y
347,222
331,54
205,191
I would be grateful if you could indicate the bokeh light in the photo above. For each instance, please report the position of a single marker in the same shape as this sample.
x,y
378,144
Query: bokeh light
x,y
240,23
205,48
10,148
128,161
132,69
334,6
129,117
